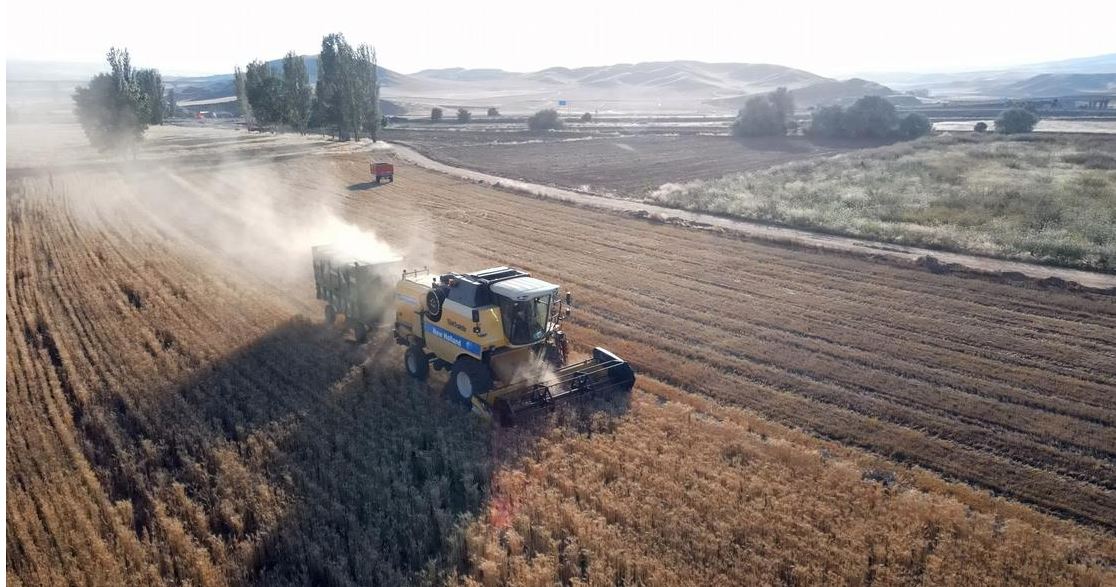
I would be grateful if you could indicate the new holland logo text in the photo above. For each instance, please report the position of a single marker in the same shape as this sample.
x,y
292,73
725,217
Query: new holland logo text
x,y
452,338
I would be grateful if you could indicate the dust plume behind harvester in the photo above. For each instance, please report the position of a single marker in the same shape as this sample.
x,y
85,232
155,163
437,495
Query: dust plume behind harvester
x,y
497,331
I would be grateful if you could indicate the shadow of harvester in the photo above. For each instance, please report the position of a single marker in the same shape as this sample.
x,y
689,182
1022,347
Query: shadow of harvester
x,y
308,460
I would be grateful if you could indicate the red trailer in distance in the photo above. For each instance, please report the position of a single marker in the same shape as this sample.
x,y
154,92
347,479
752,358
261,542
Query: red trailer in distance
x,y
382,171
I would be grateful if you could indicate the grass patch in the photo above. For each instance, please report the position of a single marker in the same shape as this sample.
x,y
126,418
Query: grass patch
x,y
1049,199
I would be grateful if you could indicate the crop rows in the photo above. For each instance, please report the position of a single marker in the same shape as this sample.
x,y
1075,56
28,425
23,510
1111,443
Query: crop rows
x,y
174,417
999,385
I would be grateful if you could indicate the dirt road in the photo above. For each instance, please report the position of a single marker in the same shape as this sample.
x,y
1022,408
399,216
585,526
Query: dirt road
x,y
177,413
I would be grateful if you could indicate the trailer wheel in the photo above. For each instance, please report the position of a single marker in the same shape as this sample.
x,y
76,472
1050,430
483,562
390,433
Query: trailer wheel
x,y
470,377
330,314
416,363
360,332
434,299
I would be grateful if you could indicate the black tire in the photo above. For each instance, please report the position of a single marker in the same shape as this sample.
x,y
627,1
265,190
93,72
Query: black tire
x,y
416,363
434,300
470,377
622,377
360,332
330,315
377,180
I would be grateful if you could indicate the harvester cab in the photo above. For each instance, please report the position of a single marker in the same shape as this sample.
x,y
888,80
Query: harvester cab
x,y
498,332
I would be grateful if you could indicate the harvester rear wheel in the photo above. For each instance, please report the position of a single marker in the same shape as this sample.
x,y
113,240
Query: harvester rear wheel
x,y
330,314
416,363
360,332
434,299
470,377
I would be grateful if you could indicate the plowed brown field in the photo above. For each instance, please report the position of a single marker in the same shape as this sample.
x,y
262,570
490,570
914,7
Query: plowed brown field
x,y
177,413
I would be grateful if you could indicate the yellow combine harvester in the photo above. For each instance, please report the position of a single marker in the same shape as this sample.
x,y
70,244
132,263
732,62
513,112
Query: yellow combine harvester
x,y
498,332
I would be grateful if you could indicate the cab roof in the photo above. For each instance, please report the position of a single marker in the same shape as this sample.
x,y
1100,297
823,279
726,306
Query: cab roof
x,y
523,288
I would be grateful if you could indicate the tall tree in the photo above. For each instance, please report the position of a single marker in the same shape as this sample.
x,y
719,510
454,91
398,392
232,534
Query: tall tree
x,y
241,82
264,93
296,92
347,89
370,90
111,107
150,82
783,102
327,107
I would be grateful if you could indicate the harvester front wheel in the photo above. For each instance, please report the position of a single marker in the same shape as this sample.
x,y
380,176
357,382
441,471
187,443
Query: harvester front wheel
x,y
330,314
470,377
415,362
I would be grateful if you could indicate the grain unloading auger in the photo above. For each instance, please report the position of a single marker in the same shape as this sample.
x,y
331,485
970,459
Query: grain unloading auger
x,y
498,333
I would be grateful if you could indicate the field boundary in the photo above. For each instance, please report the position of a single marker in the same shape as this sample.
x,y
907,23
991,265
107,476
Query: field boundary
x,y
937,261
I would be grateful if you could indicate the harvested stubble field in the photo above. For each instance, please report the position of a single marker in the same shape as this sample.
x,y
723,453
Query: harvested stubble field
x,y
630,165
174,417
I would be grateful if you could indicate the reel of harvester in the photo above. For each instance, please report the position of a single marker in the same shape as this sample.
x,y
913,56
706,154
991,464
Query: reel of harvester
x,y
603,374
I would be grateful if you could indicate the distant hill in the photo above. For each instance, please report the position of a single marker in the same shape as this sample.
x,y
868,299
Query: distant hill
x,y
664,87
1095,64
1049,79
1060,84
460,74
684,76
823,93
28,71
221,85
388,77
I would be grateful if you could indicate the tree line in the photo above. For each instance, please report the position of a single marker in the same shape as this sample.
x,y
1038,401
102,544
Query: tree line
x,y
345,99
870,117
116,108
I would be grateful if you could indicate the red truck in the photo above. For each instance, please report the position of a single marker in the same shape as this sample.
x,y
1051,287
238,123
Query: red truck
x,y
382,171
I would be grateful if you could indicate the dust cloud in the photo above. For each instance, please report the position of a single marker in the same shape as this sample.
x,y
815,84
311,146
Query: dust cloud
x,y
257,202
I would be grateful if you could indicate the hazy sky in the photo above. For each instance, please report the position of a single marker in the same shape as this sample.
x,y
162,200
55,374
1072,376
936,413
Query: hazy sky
x,y
827,37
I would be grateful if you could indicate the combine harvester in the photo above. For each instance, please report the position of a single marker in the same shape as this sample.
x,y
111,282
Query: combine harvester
x,y
497,331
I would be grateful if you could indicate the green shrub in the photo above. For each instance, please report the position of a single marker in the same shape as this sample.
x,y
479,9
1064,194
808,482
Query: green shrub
x,y
435,114
871,117
1016,121
758,118
828,122
544,120
914,125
